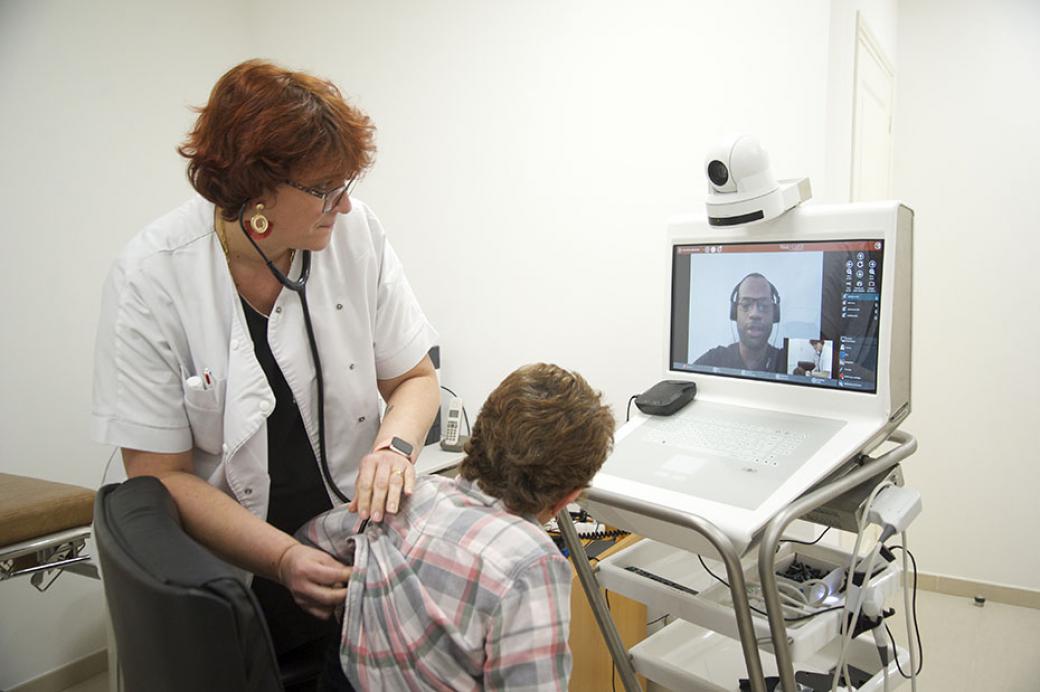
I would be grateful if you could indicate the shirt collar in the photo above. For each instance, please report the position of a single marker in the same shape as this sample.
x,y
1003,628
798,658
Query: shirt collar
x,y
473,490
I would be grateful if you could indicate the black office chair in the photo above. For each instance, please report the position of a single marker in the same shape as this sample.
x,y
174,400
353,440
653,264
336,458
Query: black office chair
x,y
183,621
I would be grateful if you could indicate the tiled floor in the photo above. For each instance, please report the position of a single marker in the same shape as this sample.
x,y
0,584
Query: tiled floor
x,y
970,648
966,648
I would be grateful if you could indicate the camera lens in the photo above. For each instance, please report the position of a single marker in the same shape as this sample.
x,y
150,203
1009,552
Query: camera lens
x,y
718,174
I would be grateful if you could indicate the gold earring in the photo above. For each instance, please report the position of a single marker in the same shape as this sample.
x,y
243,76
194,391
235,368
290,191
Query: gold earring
x,y
258,222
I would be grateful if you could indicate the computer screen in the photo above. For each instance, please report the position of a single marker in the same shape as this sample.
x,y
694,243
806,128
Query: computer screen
x,y
797,313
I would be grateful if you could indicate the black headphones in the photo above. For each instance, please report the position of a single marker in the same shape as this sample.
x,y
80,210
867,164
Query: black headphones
x,y
772,291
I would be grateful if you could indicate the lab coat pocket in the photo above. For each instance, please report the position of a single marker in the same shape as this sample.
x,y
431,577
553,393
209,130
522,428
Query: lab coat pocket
x,y
205,409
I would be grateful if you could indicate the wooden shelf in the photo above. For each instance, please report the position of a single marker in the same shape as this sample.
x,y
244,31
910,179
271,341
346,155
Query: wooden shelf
x,y
593,666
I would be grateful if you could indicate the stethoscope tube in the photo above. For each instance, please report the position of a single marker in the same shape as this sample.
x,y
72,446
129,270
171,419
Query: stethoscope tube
x,y
299,287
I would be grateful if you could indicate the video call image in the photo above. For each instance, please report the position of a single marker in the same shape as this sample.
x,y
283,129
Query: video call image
x,y
798,313
810,357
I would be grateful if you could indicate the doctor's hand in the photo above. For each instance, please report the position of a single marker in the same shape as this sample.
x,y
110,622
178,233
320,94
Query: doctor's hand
x,y
382,478
317,581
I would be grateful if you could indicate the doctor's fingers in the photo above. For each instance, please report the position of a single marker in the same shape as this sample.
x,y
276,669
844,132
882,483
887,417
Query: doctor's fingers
x,y
362,502
321,602
380,480
402,479
381,488
318,588
394,474
305,565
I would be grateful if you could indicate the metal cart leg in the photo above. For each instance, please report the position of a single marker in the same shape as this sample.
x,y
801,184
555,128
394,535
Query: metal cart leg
x,y
599,606
774,530
719,541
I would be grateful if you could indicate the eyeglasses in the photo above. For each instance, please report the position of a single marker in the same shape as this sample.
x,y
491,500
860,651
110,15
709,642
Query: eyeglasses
x,y
763,304
330,198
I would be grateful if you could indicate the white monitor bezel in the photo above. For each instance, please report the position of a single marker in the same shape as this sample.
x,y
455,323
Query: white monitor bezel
x,y
889,222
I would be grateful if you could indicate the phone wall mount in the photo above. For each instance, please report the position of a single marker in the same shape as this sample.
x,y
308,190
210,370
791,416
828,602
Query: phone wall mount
x,y
666,397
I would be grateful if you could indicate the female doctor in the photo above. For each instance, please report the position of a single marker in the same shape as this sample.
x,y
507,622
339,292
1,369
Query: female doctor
x,y
207,362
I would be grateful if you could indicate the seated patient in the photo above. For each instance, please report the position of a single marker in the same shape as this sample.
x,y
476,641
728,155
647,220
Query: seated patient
x,y
462,589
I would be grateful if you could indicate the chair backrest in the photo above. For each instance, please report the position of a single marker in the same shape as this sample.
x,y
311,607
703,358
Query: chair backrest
x,y
182,619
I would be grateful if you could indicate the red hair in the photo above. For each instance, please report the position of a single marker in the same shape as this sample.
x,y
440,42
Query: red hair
x,y
264,125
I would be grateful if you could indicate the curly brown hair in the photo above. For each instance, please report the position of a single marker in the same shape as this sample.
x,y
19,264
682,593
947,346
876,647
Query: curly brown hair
x,y
265,125
541,434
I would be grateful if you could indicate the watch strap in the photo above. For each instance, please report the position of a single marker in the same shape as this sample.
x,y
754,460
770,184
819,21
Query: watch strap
x,y
398,445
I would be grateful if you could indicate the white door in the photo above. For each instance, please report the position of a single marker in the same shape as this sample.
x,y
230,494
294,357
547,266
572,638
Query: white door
x,y
873,88
873,91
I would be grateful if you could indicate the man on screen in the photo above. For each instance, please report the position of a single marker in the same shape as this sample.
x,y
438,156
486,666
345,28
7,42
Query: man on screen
x,y
755,307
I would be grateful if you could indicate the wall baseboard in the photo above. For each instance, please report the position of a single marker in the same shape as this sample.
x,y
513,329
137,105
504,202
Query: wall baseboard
x,y
954,586
67,675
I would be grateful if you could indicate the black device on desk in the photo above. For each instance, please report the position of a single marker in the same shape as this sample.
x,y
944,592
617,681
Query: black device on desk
x,y
666,397
434,435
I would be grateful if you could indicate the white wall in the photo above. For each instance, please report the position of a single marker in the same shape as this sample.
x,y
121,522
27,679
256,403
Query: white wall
x,y
93,100
530,154
967,148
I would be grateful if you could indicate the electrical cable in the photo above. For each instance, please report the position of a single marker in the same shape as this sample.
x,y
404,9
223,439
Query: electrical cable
x,y
793,595
809,584
792,605
800,592
601,535
850,623
812,542
628,409
601,531
762,612
884,666
657,620
913,668
847,624
910,609
843,623
606,597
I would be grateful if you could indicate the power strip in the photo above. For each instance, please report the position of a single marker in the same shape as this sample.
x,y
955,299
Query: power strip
x,y
661,580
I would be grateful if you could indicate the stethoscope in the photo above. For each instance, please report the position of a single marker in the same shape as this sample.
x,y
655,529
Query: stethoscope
x,y
299,287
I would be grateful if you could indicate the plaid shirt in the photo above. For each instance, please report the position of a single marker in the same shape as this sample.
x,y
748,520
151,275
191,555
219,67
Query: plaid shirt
x,y
454,592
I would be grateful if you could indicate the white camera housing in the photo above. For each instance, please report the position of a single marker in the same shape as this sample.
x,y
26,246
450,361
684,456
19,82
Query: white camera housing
x,y
741,186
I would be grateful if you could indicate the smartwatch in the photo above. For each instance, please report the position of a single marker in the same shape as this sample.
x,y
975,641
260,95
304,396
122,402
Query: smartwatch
x,y
396,444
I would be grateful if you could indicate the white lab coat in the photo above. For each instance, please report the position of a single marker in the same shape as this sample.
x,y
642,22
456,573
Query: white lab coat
x,y
170,311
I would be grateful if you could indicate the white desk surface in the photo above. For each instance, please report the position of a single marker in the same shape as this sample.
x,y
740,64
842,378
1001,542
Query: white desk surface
x,y
433,459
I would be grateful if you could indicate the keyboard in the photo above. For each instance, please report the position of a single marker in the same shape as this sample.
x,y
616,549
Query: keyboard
x,y
743,442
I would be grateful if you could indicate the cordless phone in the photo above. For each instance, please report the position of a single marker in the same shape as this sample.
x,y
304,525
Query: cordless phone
x,y
453,438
